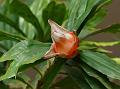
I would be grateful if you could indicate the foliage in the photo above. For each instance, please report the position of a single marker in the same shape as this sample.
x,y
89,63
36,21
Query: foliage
x,y
25,38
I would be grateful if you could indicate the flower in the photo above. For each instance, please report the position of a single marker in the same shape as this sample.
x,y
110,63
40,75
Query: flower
x,y
65,43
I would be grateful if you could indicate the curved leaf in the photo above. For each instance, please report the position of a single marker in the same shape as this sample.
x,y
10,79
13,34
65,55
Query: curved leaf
x,y
24,11
37,8
51,74
95,74
5,19
93,48
8,36
102,63
24,52
57,15
77,77
94,9
66,83
115,28
90,26
79,10
94,83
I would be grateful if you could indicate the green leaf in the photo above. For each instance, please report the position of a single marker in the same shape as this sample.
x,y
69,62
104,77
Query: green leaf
x,y
41,70
95,74
96,46
90,26
102,63
3,86
24,81
24,52
37,8
117,60
88,80
5,19
26,66
51,73
93,48
3,48
77,77
55,12
103,44
8,36
24,11
86,47
115,28
102,50
78,11
66,83
94,84
57,15
11,25
96,19
2,68
94,10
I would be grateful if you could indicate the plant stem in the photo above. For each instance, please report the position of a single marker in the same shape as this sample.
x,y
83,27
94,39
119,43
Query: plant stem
x,y
93,33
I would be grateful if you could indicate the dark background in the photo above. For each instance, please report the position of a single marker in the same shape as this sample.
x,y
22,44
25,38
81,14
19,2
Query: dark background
x,y
113,16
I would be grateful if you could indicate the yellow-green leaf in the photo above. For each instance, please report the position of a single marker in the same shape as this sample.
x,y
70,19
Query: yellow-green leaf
x,y
103,44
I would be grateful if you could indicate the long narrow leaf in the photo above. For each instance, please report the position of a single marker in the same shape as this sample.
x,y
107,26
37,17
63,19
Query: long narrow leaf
x,y
24,52
24,11
66,83
91,24
96,7
77,77
5,19
103,44
37,8
57,15
95,74
102,63
9,36
80,11
94,84
115,28
51,73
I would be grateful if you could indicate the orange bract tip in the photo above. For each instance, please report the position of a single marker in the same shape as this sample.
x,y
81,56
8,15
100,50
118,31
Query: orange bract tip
x,y
64,44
